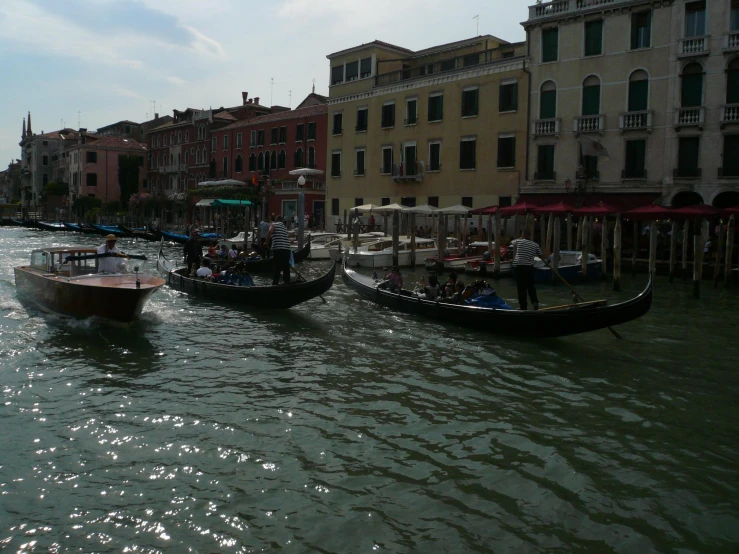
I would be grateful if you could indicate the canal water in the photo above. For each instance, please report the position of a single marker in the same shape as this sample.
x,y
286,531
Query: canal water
x,y
343,427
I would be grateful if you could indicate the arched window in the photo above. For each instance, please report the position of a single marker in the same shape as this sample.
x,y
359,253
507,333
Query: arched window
x,y
311,157
225,166
692,86
732,82
204,155
273,160
299,157
548,101
638,91
591,96
253,162
281,160
197,156
179,137
260,162
239,164
212,169
266,160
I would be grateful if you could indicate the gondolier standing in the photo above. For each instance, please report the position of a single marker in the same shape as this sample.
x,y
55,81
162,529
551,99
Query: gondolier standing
x,y
279,242
523,265
193,251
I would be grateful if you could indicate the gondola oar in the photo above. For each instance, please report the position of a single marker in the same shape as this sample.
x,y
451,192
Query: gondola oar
x,y
105,255
576,294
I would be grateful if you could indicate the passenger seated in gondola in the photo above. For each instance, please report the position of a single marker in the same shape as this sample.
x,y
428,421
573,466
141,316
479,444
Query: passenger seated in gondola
x,y
223,252
212,252
457,295
205,271
233,254
430,291
394,280
449,285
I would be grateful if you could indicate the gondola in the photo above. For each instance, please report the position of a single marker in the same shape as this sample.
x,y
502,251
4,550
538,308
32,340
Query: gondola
x,y
174,237
107,230
266,265
72,227
268,296
557,322
47,226
137,233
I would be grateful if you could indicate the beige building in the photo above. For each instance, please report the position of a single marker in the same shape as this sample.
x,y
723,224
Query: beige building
x,y
443,126
656,84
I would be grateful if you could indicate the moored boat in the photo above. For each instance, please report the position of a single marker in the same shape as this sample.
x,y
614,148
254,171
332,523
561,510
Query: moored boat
x,y
380,253
548,322
138,233
50,226
64,280
107,230
72,226
174,237
570,267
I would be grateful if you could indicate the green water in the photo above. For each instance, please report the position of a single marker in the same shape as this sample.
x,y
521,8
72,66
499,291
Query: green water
x,y
343,427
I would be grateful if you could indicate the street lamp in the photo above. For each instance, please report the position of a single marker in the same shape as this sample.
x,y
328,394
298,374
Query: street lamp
x,y
301,181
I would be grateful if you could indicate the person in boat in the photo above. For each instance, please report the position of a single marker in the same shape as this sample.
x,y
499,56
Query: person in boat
x,y
233,253
449,285
523,262
111,264
279,243
430,290
212,252
394,280
458,292
204,271
263,230
371,223
223,252
193,251
486,256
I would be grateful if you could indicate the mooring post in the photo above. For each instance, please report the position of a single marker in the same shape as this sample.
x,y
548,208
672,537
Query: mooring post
x,y
412,218
635,248
569,231
652,246
729,249
498,240
673,249
578,239
686,236
604,248
550,230
585,242
396,236
719,253
617,254
556,240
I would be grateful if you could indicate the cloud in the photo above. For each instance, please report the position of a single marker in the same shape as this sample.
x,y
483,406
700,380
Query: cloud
x,y
176,80
120,91
352,14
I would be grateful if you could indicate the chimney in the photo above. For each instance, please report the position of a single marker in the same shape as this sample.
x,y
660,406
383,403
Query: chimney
x,y
244,96
156,115
248,102
256,100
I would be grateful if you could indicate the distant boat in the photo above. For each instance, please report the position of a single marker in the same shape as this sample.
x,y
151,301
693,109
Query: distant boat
x,y
570,267
48,226
73,226
174,237
108,230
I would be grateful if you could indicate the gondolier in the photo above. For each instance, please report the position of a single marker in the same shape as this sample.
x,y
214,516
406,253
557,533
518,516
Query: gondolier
x,y
523,265
193,251
279,242
112,264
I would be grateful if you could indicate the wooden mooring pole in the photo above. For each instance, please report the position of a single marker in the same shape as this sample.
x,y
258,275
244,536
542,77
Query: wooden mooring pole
x,y
556,241
719,253
396,236
550,230
652,246
673,249
604,248
440,240
635,248
729,249
584,252
412,217
569,231
498,240
578,239
617,254
686,236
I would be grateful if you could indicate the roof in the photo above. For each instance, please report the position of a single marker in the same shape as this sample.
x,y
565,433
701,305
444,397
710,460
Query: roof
x,y
114,143
308,111
423,52
124,122
225,115
381,44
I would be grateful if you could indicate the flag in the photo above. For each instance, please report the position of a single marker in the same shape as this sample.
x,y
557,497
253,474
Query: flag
x,y
592,147
254,180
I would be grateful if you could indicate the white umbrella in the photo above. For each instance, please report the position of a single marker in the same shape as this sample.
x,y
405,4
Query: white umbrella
x,y
222,183
306,171
390,208
366,208
455,210
425,209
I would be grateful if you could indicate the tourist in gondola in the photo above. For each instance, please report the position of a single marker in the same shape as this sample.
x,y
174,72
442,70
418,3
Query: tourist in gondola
x,y
204,270
394,280
212,252
448,289
279,243
523,263
193,251
430,290
111,264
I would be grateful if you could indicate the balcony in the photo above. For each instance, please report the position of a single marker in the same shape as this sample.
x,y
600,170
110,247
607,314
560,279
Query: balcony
x,y
408,172
545,176
690,117
558,8
686,173
590,124
546,127
635,121
729,113
731,42
692,47
634,174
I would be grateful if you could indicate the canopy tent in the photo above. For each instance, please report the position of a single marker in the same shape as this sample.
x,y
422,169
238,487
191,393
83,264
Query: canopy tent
x,y
366,208
224,202
455,210
206,202
649,212
519,208
306,172
222,183
697,210
560,208
489,210
424,209
390,208
601,208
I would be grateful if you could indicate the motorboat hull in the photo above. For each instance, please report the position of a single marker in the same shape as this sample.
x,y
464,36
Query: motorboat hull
x,y
487,268
385,259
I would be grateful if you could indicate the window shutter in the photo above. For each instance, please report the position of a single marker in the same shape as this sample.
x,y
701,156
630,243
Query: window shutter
x,y
688,153
638,95
731,155
550,42
692,90
548,105
593,38
732,86
591,100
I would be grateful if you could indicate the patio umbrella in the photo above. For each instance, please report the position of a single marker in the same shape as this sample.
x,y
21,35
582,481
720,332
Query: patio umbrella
x,y
649,212
698,210
489,210
519,208
306,171
366,208
560,208
390,208
733,210
601,208
222,183
455,210
424,209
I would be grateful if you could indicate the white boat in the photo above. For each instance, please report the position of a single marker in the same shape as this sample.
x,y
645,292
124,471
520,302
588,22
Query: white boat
x,y
330,248
238,240
487,267
380,253
473,253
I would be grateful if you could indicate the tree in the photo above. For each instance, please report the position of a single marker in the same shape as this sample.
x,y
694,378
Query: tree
x,y
56,189
128,175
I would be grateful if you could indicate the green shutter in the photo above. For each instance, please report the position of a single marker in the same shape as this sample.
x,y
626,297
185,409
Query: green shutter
x,y
591,100
688,153
549,44
638,95
594,38
548,105
732,87
692,93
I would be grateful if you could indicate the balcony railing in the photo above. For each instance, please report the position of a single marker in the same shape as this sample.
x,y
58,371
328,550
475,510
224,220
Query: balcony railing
x,y
590,123
408,172
731,41
686,173
730,113
635,121
692,46
634,173
690,117
546,127
563,7
545,176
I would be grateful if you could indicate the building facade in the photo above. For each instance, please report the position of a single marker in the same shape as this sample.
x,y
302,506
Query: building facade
x,y
443,126
654,85
10,182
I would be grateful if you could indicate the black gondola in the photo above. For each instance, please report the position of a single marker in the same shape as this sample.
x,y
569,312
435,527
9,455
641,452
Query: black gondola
x,y
568,320
47,226
138,234
269,296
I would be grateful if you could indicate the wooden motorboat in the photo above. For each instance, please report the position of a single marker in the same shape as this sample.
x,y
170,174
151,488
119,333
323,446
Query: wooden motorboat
x,y
550,322
270,296
570,267
380,253
74,287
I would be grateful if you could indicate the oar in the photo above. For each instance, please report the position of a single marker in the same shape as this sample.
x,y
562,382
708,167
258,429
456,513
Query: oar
x,y
576,294
304,279
105,255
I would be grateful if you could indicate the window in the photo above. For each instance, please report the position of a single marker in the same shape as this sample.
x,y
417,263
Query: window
x,y
507,151
545,162
635,159
253,162
312,130
334,206
311,157
688,157
282,160
358,201
187,136
283,135
253,139
225,166
44,160
638,91
388,115
365,68
449,65
92,179
695,19
359,170
591,96
467,201
239,142
589,165
385,201
213,144
197,157
171,139
44,179
266,161
260,137
179,137
299,157
731,156
352,71
433,201
159,140
299,132
549,44
338,117
692,86
470,102
548,101
436,107
336,164
337,75
204,156
362,117
387,160
641,30
732,81
435,156
409,159
594,38
92,157
225,142
411,111
467,148
273,160
508,97
260,162
734,21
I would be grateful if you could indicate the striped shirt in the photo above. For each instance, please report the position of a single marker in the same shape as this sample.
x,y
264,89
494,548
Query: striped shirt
x,y
526,251
280,240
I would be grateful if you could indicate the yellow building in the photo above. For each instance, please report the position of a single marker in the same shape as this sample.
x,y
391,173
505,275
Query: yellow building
x,y
443,126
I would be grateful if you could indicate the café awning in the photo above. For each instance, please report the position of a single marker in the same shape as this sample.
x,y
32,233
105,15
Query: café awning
x,y
224,202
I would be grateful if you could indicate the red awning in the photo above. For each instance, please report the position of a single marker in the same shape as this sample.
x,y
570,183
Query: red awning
x,y
601,208
521,207
560,208
734,210
650,212
621,202
697,210
490,210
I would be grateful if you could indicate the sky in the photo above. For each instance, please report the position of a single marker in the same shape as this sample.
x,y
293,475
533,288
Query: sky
x,y
102,61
